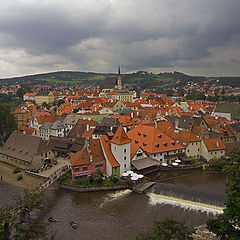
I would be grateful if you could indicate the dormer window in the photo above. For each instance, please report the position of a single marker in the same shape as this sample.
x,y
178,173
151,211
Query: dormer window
x,y
160,136
157,144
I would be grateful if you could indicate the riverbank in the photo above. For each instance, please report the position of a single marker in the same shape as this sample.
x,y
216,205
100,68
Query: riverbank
x,y
8,177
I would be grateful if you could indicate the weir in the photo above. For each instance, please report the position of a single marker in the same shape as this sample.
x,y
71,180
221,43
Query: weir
x,y
186,197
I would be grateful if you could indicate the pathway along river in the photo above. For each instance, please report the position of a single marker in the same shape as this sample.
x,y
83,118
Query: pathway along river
x,y
122,214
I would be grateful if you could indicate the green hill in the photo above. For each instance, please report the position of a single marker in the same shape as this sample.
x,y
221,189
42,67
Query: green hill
x,y
140,79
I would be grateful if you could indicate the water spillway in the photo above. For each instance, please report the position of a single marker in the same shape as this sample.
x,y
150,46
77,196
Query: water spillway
x,y
186,197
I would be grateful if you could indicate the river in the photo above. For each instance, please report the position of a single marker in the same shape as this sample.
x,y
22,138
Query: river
x,y
122,214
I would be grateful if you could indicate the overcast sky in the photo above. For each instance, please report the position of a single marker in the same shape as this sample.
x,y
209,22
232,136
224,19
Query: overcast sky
x,y
199,37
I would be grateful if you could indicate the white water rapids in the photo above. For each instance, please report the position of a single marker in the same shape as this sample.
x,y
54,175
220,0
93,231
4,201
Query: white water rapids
x,y
190,205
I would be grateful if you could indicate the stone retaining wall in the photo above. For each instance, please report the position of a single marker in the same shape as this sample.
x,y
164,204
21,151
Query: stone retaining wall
x,y
92,188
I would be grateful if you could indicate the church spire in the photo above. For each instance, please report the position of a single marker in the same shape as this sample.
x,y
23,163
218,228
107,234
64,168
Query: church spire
x,y
119,70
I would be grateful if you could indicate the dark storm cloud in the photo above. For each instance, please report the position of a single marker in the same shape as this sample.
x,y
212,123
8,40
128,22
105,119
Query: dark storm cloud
x,y
97,35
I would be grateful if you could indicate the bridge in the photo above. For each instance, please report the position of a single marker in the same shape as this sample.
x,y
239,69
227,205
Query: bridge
x,y
55,176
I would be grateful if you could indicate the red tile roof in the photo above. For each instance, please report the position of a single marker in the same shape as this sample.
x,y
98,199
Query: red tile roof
x,y
214,144
43,119
183,137
106,144
152,140
82,157
120,137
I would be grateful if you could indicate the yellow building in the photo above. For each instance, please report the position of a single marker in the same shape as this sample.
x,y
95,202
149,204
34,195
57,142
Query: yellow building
x,y
44,97
124,95
22,115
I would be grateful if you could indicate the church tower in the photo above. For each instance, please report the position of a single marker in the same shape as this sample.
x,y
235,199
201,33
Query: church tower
x,y
119,80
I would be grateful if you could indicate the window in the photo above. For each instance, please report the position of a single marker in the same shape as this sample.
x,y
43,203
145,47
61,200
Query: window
x,y
154,154
125,158
188,150
99,165
125,150
85,168
76,169
125,165
139,154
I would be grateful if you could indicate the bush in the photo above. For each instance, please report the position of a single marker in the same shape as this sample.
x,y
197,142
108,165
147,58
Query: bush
x,y
16,170
115,179
98,180
90,179
218,164
20,177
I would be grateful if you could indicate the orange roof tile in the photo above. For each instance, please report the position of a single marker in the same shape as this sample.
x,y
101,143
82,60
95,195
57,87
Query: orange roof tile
x,y
106,144
214,144
43,119
183,137
88,134
164,125
152,140
120,137
82,157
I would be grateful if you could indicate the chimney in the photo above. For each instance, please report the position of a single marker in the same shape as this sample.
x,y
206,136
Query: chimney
x,y
87,127
217,144
176,123
131,114
89,151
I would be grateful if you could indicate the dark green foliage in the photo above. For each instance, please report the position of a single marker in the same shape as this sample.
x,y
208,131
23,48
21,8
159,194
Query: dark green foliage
x,y
16,170
98,173
217,164
19,177
8,122
90,179
115,179
20,92
44,104
169,229
98,180
60,101
29,231
195,95
227,225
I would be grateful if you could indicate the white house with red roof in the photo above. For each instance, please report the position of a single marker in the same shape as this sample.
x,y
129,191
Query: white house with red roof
x,y
116,150
212,148
153,142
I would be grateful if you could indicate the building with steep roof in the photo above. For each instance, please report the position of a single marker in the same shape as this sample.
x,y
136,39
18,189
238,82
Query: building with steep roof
x,y
26,151
86,161
212,148
153,142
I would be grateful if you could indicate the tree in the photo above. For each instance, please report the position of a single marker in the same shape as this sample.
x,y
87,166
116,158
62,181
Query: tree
x,y
227,225
44,104
20,92
169,229
9,216
60,101
8,122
